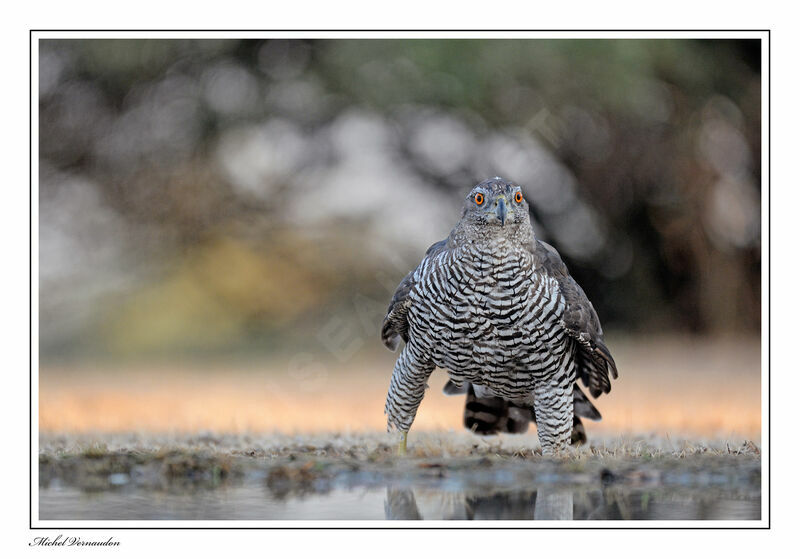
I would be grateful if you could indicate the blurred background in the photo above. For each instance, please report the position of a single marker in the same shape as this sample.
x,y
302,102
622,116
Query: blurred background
x,y
223,222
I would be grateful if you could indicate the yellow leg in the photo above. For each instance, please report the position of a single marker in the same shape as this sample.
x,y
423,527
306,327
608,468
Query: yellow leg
x,y
401,447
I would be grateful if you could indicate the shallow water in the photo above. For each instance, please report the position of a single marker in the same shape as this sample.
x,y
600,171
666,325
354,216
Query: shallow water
x,y
252,500
282,478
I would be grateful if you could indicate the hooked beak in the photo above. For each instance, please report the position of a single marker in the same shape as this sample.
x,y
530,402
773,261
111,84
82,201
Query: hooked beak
x,y
501,211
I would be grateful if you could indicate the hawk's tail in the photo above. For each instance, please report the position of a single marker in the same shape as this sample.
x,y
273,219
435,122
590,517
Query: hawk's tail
x,y
490,415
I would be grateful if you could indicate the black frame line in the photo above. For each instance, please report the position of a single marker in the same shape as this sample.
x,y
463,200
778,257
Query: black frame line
x,y
367,527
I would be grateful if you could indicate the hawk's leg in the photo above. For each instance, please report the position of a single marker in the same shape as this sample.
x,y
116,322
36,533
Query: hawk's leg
x,y
409,381
553,402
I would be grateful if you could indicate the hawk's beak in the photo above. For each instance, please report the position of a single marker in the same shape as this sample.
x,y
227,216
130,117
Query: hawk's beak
x,y
501,211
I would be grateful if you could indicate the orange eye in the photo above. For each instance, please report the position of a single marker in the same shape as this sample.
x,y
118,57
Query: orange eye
x,y
479,199
518,197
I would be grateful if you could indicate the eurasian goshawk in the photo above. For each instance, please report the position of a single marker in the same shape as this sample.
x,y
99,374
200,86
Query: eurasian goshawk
x,y
497,309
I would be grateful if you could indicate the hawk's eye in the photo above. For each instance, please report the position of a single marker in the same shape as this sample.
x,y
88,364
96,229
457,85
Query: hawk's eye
x,y
518,197
479,199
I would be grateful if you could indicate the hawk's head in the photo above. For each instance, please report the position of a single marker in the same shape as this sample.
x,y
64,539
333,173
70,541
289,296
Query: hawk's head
x,y
497,207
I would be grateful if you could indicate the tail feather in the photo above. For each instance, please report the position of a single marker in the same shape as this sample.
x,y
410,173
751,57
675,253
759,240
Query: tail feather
x,y
578,436
451,388
492,415
582,406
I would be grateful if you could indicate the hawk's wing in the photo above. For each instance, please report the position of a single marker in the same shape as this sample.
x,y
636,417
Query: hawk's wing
x,y
395,325
581,323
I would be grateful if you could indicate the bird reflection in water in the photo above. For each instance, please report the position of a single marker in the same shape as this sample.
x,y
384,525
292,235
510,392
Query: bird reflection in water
x,y
566,503
544,504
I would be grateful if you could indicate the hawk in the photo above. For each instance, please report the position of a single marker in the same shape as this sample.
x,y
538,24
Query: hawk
x,y
497,309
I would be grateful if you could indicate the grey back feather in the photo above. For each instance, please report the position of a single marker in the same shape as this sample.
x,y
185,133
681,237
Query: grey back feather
x,y
581,323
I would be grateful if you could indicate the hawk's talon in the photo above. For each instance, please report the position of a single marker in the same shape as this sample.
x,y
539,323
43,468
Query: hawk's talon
x,y
401,446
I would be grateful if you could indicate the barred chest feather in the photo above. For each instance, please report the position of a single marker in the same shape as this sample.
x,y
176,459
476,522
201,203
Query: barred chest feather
x,y
484,313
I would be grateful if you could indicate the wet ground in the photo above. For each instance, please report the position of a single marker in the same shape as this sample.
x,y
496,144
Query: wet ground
x,y
444,476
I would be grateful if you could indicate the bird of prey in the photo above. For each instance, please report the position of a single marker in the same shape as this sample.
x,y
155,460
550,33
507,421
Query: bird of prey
x,y
497,309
